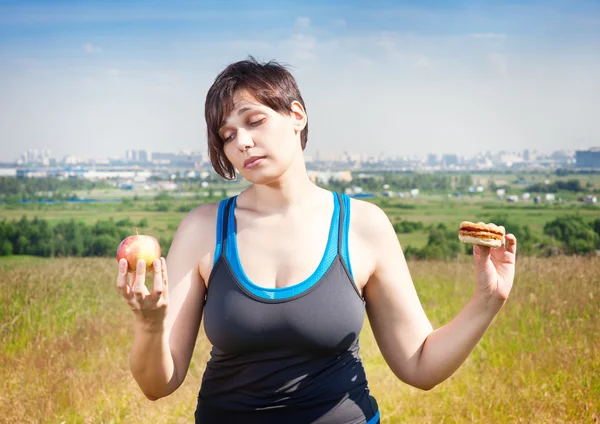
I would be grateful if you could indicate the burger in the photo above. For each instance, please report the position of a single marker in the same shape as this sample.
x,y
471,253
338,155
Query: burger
x,y
482,234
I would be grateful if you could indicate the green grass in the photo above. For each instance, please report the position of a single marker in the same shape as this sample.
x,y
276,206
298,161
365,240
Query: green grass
x,y
65,336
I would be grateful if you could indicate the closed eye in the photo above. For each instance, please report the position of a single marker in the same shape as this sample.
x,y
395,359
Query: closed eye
x,y
257,123
251,124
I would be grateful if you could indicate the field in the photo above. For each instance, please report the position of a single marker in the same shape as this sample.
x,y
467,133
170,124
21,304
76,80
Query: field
x,y
164,216
65,335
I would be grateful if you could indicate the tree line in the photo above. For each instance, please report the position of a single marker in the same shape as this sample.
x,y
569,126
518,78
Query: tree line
x,y
38,237
568,234
30,188
565,235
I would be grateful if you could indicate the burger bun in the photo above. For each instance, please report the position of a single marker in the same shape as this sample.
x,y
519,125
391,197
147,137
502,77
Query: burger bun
x,y
480,241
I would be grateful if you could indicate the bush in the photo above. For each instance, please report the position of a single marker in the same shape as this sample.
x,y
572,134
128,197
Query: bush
x,y
525,238
161,207
441,244
576,236
162,196
126,222
595,224
6,248
408,226
185,208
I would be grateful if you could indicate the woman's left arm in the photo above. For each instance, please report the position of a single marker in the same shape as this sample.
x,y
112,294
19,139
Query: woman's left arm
x,y
416,353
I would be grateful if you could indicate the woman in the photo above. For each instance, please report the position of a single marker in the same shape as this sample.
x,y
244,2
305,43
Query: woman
x,y
283,274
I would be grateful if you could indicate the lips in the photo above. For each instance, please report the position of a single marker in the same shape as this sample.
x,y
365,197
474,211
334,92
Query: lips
x,y
252,161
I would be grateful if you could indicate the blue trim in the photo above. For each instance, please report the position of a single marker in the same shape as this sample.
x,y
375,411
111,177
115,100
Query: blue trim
x,y
232,255
220,215
345,231
375,419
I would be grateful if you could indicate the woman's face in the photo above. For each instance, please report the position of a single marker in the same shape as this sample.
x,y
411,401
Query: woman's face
x,y
259,142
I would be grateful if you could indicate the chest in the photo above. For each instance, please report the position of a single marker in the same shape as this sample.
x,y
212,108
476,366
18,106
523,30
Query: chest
x,y
325,318
281,251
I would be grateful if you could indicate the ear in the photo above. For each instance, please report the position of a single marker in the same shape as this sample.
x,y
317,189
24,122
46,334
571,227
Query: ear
x,y
298,116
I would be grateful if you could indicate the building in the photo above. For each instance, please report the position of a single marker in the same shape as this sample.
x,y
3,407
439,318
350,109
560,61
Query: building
x,y
137,156
432,159
449,159
587,158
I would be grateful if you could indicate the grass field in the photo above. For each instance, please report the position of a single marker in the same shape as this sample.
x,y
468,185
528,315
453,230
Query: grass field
x,y
65,336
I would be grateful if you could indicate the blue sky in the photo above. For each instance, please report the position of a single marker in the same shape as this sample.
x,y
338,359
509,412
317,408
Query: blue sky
x,y
95,78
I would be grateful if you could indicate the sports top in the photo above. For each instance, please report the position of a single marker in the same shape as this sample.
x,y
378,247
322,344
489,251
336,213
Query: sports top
x,y
284,354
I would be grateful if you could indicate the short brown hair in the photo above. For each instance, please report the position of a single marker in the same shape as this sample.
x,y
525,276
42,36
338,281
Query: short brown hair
x,y
270,83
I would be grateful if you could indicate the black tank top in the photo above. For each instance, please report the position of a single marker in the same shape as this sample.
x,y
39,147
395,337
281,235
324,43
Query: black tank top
x,y
290,354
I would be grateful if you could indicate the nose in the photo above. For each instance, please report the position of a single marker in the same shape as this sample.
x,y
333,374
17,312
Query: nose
x,y
244,140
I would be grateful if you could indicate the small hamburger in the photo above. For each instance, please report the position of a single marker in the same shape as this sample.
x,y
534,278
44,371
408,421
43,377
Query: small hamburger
x,y
489,235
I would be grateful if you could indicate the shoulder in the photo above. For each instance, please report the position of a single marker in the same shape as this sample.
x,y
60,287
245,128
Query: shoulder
x,y
197,228
200,216
196,237
368,220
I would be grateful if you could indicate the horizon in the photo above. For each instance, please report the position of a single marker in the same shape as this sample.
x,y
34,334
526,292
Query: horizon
x,y
454,77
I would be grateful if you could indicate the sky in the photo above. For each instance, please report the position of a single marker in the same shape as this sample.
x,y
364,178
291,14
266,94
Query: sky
x,y
403,78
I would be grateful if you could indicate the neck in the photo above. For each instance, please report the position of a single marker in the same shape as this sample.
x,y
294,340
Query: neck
x,y
287,193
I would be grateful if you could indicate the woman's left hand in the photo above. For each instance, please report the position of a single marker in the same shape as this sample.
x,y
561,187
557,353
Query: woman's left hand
x,y
495,268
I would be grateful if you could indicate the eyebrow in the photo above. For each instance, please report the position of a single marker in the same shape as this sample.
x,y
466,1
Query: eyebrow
x,y
244,109
239,112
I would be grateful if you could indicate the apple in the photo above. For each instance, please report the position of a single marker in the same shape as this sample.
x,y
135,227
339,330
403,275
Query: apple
x,y
136,247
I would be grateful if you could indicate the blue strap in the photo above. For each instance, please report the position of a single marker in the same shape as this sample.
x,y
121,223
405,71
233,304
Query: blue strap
x,y
375,419
220,232
345,228
232,255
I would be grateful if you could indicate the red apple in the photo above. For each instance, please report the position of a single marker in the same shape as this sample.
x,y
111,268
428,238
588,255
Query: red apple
x,y
137,247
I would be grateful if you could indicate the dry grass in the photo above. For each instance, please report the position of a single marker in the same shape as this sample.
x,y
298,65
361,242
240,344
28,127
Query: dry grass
x,y
65,337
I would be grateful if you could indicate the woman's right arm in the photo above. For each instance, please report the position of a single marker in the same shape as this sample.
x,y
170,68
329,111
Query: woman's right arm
x,y
167,319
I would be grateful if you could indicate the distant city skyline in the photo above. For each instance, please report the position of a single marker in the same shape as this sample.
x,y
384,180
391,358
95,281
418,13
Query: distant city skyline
x,y
40,163
30,154
408,78
48,158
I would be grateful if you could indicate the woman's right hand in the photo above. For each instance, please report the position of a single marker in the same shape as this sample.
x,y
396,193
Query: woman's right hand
x,y
150,308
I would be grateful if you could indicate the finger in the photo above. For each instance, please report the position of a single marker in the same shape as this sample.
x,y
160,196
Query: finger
x,y
139,287
481,253
157,288
133,303
503,232
122,285
481,250
165,278
511,243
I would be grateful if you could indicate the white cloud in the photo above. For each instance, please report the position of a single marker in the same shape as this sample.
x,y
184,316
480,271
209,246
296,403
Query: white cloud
x,y
423,62
488,35
338,23
89,48
302,46
388,43
497,63
302,23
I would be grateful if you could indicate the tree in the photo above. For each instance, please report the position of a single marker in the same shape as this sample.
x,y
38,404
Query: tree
x,y
526,239
441,244
102,245
6,248
576,236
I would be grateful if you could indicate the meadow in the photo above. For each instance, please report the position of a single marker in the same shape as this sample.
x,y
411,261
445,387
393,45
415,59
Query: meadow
x,y
65,333
65,336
